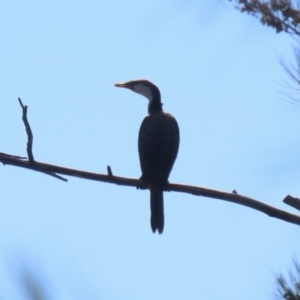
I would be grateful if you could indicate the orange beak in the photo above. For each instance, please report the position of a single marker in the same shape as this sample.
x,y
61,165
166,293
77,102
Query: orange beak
x,y
123,85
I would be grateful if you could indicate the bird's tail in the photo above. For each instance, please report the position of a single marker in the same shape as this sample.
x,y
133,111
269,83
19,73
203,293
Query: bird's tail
x,y
157,210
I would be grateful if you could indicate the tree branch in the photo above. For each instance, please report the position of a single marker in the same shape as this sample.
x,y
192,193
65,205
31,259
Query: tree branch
x,y
292,201
30,141
28,131
194,190
233,197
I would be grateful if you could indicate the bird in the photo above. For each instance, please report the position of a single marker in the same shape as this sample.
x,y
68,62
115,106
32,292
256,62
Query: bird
x,y
158,144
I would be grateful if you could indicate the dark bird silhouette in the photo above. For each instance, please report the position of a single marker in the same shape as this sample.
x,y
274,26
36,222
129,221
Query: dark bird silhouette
x,y
158,145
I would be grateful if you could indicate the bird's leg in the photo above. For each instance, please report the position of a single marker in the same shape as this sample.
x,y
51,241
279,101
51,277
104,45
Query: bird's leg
x,y
143,180
164,186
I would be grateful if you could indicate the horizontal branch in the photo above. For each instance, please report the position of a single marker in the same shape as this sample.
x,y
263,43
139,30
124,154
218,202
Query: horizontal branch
x,y
51,170
234,197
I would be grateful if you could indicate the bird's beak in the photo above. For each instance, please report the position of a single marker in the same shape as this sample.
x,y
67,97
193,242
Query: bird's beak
x,y
123,85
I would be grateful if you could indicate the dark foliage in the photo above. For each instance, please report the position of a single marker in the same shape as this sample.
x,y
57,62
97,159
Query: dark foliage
x,y
282,15
289,289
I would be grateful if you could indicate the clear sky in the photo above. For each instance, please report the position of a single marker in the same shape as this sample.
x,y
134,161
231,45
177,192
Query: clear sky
x,y
219,74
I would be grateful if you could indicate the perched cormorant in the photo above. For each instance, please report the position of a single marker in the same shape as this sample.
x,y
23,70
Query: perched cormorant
x,y
158,147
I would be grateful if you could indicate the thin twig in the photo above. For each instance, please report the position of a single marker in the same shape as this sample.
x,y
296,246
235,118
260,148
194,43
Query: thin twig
x,y
109,171
30,141
28,131
55,176
13,156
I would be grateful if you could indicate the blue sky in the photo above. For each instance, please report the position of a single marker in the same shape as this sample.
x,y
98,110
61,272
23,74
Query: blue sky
x,y
219,74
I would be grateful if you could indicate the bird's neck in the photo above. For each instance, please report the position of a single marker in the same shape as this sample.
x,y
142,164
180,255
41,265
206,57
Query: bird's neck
x,y
155,104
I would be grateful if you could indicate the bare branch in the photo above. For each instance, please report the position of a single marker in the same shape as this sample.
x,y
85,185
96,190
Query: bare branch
x,y
28,131
109,171
292,201
194,190
30,141
291,91
51,170
238,199
12,156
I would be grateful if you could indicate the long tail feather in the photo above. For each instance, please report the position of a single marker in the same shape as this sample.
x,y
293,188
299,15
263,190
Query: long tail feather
x,y
157,210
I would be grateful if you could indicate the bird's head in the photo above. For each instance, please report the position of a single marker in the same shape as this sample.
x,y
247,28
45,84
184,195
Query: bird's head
x,y
142,87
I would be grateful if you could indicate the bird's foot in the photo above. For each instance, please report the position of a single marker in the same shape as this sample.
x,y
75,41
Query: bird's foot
x,y
165,185
144,182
